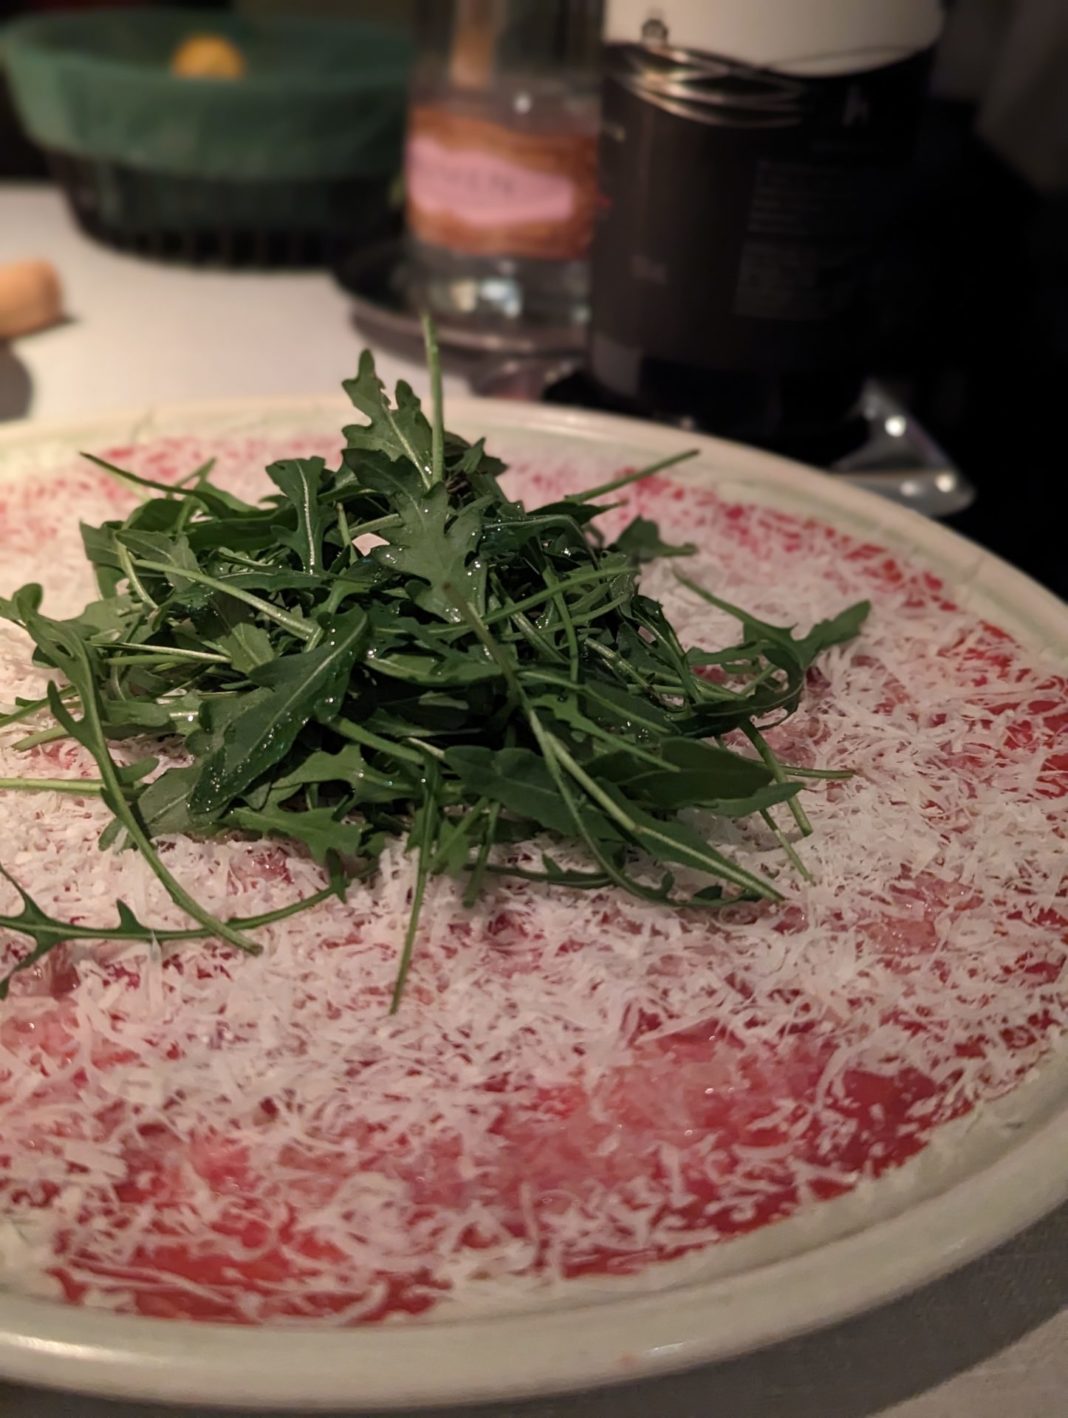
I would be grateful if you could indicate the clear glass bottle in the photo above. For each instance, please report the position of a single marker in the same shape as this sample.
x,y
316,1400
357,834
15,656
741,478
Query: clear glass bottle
x,y
501,159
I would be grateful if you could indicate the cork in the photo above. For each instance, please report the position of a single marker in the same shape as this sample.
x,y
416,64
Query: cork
x,y
30,298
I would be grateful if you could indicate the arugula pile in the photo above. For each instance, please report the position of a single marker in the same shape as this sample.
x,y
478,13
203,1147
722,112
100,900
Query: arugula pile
x,y
482,676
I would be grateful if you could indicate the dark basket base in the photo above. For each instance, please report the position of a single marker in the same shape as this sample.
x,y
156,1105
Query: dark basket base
x,y
212,221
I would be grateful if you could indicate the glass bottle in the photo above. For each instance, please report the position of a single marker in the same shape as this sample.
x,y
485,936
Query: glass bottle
x,y
500,167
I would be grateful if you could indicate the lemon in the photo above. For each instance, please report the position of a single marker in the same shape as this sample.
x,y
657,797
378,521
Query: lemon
x,y
208,56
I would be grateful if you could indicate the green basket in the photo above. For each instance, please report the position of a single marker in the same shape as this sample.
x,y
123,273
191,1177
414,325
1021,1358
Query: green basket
x,y
282,165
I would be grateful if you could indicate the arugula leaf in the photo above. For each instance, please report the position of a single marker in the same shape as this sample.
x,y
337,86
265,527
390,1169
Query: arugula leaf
x,y
431,541
164,803
693,774
127,717
300,480
401,432
641,541
213,499
72,657
518,779
470,463
319,829
802,651
293,690
229,625
671,840
103,618
839,630
348,766
46,932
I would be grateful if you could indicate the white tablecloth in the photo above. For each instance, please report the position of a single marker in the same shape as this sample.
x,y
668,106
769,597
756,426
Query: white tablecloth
x,y
988,1342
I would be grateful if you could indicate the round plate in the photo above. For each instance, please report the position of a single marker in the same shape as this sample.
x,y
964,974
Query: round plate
x,y
981,1180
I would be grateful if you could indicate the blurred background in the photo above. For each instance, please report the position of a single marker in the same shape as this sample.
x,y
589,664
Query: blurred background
x,y
853,250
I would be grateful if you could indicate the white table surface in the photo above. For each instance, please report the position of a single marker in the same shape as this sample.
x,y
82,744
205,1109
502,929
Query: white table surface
x,y
141,332
988,1342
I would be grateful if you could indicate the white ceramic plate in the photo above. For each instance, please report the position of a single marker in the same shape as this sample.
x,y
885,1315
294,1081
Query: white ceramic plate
x,y
982,1180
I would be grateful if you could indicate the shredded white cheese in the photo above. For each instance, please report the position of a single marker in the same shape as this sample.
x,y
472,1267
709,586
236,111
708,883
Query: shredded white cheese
x,y
575,1080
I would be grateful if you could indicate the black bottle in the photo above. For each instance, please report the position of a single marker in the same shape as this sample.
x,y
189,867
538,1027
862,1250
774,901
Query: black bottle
x,y
736,258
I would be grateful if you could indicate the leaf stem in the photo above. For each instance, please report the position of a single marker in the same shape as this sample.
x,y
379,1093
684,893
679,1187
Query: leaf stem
x,y
114,793
658,467
429,819
787,846
358,734
136,584
760,743
437,402
300,628
78,787
27,711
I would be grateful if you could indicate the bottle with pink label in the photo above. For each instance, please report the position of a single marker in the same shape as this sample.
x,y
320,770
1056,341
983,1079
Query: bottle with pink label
x,y
500,169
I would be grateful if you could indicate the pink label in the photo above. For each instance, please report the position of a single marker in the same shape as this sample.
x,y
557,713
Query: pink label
x,y
484,190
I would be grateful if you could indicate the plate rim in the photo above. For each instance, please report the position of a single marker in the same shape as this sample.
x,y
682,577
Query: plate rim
x,y
537,1353
910,529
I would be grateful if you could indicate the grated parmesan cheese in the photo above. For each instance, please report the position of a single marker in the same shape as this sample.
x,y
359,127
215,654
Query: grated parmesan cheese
x,y
576,1082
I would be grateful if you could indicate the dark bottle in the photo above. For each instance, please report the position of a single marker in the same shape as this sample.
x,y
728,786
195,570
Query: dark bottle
x,y
751,156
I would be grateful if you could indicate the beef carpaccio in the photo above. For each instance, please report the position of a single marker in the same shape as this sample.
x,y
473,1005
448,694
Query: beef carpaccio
x,y
577,1082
